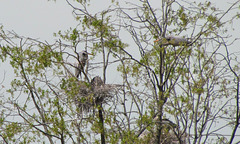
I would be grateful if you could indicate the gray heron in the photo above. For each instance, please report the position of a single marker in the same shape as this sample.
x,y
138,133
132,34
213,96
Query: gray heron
x,y
173,40
79,67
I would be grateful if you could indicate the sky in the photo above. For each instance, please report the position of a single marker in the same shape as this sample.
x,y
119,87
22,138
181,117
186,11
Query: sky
x,y
41,18
37,19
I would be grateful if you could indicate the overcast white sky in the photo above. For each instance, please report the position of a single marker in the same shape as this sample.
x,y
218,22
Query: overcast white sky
x,y
36,18
41,18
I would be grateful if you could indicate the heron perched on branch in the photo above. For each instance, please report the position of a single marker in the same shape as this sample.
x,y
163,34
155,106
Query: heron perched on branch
x,y
79,67
174,41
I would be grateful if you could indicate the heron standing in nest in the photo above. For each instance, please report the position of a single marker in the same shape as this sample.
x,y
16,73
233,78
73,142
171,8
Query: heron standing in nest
x,y
79,67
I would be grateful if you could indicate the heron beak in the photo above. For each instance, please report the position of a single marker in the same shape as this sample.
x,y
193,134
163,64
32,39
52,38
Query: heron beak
x,y
89,53
157,40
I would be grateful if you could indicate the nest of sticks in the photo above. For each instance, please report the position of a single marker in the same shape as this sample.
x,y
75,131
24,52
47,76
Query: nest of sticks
x,y
93,94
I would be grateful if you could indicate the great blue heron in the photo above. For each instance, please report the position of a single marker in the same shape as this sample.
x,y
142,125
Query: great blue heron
x,y
96,82
98,89
79,67
173,40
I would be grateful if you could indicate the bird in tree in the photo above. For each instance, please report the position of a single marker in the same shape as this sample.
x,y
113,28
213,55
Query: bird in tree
x,y
174,41
79,67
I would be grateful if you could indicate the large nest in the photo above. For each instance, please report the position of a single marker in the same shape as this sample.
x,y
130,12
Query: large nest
x,y
168,135
93,94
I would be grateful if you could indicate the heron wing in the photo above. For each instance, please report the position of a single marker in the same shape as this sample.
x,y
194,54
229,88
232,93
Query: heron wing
x,y
77,70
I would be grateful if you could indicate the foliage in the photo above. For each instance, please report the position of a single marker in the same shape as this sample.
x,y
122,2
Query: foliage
x,y
167,94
